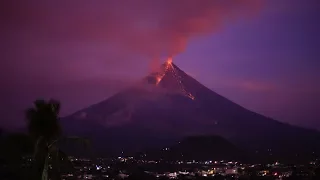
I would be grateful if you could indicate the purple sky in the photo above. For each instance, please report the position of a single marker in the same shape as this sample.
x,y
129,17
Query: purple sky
x,y
263,55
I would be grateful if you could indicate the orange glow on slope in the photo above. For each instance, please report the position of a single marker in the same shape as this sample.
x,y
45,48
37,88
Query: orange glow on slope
x,y
170,67
158,80
184,91
169,60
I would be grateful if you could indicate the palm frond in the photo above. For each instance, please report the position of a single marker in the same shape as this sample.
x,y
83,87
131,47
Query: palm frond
x,y
45,169
55,105
39,143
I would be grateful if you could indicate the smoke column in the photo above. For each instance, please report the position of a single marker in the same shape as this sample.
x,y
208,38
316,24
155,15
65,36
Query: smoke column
x,y
149,28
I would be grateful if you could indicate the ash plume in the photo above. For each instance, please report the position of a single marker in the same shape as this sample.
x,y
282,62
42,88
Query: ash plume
x,y
149,28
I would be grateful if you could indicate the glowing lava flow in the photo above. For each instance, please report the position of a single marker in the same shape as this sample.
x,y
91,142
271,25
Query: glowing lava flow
x,y
169,67
169,61
183,89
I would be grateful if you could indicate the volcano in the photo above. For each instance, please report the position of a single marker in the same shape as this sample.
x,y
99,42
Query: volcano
x,y
168,105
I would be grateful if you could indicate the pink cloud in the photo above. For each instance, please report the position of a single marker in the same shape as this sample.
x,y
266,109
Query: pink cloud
x,y
142,26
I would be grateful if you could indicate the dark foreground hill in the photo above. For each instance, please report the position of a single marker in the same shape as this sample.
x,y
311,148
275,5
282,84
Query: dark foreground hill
x,y
168,105
200,148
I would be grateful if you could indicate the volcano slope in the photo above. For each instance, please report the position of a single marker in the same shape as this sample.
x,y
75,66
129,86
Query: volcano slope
x,y
169,104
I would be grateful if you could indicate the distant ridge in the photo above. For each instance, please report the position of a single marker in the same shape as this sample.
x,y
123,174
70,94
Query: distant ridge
x,y
200,148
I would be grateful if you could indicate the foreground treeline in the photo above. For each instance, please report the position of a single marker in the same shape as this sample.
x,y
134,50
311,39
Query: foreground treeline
x,y
14,147
36,154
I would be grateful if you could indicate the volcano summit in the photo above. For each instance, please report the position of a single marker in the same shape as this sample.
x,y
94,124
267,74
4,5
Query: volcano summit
x,y
168,105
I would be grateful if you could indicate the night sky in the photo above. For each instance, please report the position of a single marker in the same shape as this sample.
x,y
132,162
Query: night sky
x,y
263,55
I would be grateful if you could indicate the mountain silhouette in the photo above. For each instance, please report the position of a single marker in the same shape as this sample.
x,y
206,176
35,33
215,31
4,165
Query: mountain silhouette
x,y
168,105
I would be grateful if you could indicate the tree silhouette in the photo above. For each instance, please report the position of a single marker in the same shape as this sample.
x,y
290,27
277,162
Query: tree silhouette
x,y
44,128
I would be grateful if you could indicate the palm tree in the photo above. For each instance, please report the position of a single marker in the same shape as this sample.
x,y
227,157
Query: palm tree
x,y
44,127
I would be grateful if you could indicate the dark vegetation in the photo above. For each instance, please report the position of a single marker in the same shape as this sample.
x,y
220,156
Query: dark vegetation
x,y
41,145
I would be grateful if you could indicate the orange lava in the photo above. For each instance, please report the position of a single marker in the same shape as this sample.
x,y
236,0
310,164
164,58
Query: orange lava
x,y
169,60
158,80
170,67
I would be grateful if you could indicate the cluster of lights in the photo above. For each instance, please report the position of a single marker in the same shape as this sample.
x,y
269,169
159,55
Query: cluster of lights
x,y
168,67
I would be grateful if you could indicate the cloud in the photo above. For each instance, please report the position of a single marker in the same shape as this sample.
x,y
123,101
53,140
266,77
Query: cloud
x,y
146,27
41,38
